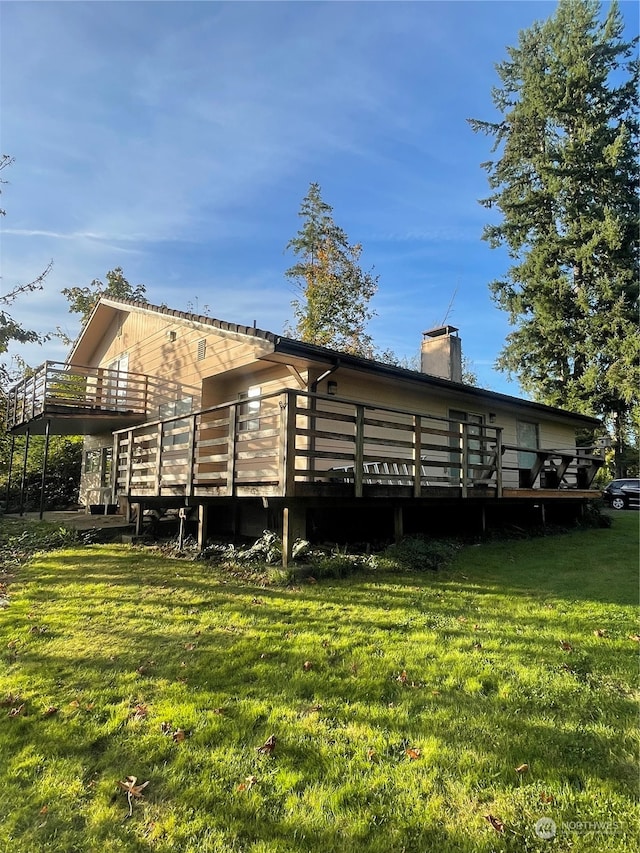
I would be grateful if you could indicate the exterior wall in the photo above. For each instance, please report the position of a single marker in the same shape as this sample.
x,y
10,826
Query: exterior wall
x,y
551,434
169,349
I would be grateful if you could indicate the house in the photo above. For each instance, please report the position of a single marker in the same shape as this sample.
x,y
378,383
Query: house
x,y
249,429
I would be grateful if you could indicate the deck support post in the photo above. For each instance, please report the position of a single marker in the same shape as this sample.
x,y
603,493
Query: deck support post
x,y
23,479
203,519
45,461
398,522
10,471
294,526
139,518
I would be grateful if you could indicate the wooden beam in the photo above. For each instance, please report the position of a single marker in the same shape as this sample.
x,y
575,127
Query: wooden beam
x,y
359,451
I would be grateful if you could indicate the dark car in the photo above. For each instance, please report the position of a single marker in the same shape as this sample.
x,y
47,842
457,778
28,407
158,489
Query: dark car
x,y
623,494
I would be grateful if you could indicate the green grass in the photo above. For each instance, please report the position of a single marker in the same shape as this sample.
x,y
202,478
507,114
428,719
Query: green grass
x,y
97,631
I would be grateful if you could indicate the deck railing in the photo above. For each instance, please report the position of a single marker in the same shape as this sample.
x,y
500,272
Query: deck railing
x,y
56,385
296,443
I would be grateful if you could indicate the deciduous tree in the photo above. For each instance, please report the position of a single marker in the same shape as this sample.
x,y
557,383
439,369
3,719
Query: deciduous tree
x,y
82,300
565,185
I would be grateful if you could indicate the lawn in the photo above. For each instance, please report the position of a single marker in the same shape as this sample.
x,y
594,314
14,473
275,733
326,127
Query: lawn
x,y
462,710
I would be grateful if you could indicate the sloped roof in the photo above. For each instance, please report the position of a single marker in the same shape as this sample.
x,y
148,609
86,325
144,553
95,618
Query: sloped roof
x,y
298,349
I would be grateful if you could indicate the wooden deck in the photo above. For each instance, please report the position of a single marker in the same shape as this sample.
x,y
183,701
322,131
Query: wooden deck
x,y
295,444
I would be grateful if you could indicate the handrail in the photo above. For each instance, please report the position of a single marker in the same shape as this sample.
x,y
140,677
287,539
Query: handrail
x,y
57,383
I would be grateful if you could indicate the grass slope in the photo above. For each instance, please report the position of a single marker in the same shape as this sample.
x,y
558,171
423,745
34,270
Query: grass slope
x,y
400,706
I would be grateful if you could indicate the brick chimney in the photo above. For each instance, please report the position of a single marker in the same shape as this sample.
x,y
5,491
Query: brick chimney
x,y
441,353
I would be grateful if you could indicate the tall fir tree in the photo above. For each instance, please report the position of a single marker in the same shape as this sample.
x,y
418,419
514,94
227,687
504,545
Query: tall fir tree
x,y
566,186
332,305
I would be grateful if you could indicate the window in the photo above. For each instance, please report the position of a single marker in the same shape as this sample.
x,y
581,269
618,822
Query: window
x,y
527,437
202,349
116,382
249,412
107,459
92,462
170,410
99,462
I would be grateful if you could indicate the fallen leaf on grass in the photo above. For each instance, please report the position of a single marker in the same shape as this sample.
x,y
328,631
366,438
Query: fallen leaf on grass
x,y
566,646
372,755
140,712
477,646
190,646
635,637
600,632
522,768
44,810
9,700
402,678
547,798
307,665
178,736
38,629
132,790
16,712
50,711
166,728
495,822
413,753
268,746
248,783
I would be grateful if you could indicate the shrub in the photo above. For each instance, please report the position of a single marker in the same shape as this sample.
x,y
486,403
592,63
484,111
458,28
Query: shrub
x,y
419,554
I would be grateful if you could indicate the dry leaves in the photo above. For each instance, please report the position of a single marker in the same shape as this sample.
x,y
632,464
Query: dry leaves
x,y
50,711
547,798
413,753
17,711
600,632
402,678
495,822
522,768
132,790
566,646
268,746
248,783
140,712
9,700
178,735
307,665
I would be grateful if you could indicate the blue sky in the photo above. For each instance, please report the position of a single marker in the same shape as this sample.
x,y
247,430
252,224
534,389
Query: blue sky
x,y
178,139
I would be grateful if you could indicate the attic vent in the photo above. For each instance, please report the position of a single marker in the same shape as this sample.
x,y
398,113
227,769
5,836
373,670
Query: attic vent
x,y
202,349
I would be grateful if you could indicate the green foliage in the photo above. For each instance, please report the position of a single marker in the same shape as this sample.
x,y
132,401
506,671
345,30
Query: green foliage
x,y
420,554
332,308
82,300
565,183
400,705
19,543
63,471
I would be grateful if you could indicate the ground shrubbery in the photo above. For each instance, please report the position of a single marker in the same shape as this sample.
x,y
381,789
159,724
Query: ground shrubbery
x,y
264,556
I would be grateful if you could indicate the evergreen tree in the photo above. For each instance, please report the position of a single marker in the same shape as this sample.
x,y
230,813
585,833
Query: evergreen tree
x,y
566,186
332,308
82,300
